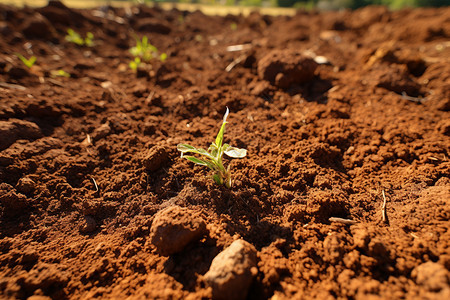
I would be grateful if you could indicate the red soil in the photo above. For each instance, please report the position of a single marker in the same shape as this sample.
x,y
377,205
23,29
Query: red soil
x,y
86,162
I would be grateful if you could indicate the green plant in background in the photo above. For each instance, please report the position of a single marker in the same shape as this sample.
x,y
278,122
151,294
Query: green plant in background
x,y
59,73
146,51
163,57
89,39
74,37
213,157
134,64
27,62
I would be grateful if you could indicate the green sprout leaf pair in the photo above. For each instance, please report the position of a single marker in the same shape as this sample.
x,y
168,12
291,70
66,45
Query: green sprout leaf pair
x,y
27,62
134,64
146,51
213,157
59,73
74,37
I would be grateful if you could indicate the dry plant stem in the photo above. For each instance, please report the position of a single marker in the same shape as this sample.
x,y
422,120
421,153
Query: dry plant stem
x,y
95,184
383,208
413,99
55,82
234,63
343,221
12,86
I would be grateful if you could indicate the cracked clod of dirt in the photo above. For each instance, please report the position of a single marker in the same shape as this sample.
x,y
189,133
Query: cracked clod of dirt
x,y
155,158
14,129
232,271
286,67
175,227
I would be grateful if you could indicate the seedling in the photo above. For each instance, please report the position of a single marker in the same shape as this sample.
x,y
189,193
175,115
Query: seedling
x,y
134,64
73,37
146,51
163,57
89,39
213,157
27,62
59,73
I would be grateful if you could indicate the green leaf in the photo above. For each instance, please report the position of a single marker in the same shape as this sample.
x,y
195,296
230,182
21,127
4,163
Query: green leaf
x,y
219,138
235,152
213,150
196,160
27,62
134,51
74,37
185,148
59,73
135,63
31,61
144,41
152,48
202,162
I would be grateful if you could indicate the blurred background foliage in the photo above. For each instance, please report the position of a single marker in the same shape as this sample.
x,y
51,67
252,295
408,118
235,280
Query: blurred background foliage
x,y
321,4
304,4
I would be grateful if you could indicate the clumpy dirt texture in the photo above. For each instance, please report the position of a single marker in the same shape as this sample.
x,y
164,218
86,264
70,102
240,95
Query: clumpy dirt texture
x,y
336,110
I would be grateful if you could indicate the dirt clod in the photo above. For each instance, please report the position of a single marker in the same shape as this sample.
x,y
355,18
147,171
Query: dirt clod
x,y
232,271
433,276
26,185
285,67
174,227
38,26
88,225
13,203
155,158
14,129
152,25
101,132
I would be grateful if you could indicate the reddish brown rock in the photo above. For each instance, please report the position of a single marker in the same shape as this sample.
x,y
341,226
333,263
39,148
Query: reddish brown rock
x,y
232,271
174,228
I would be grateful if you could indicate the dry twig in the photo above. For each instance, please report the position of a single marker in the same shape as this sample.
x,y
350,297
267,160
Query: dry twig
x,y
12,86
95,184
383,208
413,99
234,63
343,221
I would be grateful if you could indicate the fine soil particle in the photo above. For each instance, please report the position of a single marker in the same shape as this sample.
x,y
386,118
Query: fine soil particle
x,y
96,202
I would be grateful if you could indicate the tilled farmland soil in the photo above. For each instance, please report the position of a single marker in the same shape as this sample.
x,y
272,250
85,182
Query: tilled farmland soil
x,y
335,109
